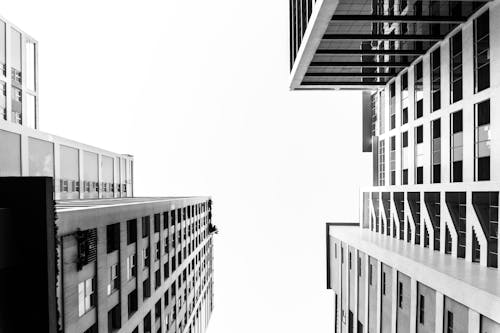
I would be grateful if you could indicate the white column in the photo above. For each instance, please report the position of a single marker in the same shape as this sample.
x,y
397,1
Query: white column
x,y
394,308
413,305
439,312
474,321
379,295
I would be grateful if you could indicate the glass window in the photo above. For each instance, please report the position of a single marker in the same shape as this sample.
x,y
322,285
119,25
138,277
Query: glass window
x,y
114,282
16,105
3,100
419,90
2,48
31,65
131,266
456,92
436,79
31,110
41,157
404,98
392,157
456,146
404,158
15,56
381,161
10,154
436,151
86,296
392,104
482,52
482,135
419,155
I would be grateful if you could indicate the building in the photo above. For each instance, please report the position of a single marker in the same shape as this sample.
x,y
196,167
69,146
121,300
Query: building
x,y
111,262
79,171
424,255
135,265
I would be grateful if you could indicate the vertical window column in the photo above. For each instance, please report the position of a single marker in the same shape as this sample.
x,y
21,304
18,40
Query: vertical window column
x,y
436,79
381,163
419,155
482,137
456,147
404,158
482,52
456,72
404,98
392,105
419,90
392,162
436,151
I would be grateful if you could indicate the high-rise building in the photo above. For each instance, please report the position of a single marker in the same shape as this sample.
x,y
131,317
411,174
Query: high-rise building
x,y
423,256
103,260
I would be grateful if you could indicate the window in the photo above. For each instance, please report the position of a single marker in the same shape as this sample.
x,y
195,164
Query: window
x,y
131,231
113,237
482,136
114,281
158,309
145,226
146,288
392,160
381,163
436,79
16,105
157,223
165,271
335,250
456,146
341,254
145,257
15,54
419,90
436,151
421,309
157,279
382,112
400,295
350,261
482,52
86,296
404,98
404,158
132,303
2,48
114,318
392,105
359,266
370,274
383,283
449,325
131,266
456,85
419,155
30,65
157,251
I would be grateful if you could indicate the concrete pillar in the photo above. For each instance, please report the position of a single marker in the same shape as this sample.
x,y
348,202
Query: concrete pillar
x,y
439,312
474,321
413,305
394,309
379,296
102,280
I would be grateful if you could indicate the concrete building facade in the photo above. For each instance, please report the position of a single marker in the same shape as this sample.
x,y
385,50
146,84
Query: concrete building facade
x,y
425,250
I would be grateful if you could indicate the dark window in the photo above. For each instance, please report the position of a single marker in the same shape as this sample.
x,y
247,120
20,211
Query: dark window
x,y
131,231
114,318
146,289
420,175
157,223
113,237
400,295
350,261
158,309
482,52
449,325
145,226
147,323
436,79
132,303
383,283
420,134
456,146
405,139
421,312
456,73
157,279
419,90
359,267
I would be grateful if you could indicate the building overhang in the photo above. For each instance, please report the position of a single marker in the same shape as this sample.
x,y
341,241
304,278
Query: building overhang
x,y
363,44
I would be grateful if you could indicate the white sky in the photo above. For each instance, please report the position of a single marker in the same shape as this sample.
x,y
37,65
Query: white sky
x,y
198,92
